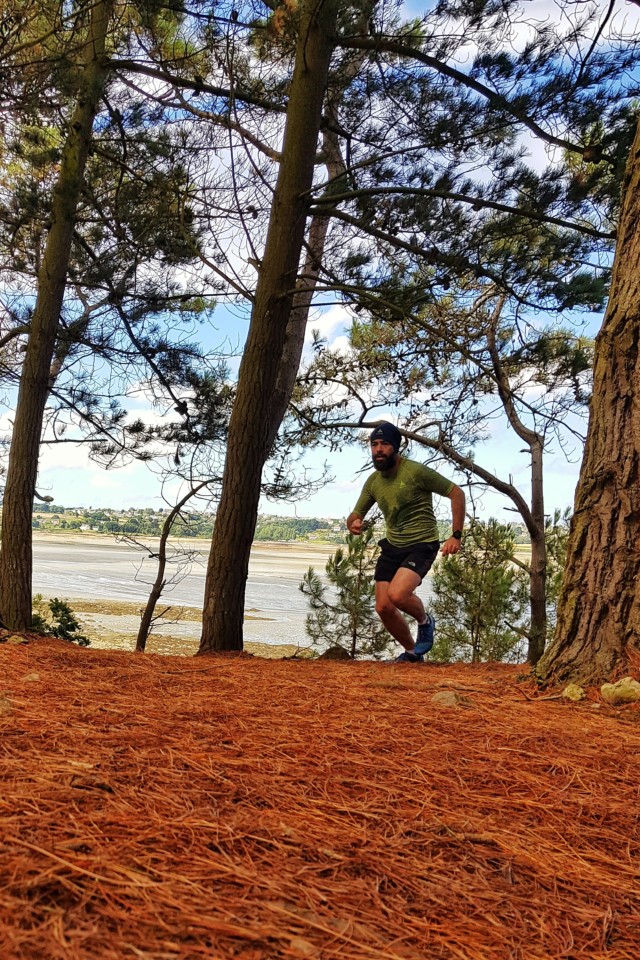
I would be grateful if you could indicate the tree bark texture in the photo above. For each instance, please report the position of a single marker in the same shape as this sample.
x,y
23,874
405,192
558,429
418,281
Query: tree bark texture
x,y
317,238
250,428
16,553
598,626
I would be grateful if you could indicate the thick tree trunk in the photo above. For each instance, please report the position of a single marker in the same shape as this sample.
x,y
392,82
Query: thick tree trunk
x,y
250,428
16,554
598,624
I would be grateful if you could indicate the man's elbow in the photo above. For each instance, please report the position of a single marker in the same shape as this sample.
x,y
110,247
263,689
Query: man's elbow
x,y
457,495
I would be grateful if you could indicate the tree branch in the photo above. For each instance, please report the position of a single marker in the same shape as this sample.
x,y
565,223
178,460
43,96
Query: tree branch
x,y
197,86
466,463
526,213
496,100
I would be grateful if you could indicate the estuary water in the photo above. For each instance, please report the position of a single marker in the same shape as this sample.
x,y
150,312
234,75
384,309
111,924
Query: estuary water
x,y
109,570
99,569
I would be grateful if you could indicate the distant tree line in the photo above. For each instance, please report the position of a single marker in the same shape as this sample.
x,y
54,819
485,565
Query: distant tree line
x,y
294,528
147,521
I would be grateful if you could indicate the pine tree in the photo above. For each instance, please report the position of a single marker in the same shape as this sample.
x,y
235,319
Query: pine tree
x,y
414,131
480,598
16,556
346,617
96,228
251,427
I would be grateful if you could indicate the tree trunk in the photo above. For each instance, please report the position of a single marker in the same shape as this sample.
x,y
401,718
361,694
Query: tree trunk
x,y
538,570
160,581
250,427
150,608
316,242
16,554
598,627
534,518
297,325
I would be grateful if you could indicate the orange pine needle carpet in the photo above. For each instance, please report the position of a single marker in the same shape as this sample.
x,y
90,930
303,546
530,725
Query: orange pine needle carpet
x,y
156,808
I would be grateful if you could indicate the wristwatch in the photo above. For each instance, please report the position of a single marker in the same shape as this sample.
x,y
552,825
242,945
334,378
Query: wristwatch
x,y
457,534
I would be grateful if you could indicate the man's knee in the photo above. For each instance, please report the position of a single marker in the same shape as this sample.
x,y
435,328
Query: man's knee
x,y
399,596
384,607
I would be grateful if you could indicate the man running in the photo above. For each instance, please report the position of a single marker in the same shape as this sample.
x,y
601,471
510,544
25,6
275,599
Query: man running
x,y
403,490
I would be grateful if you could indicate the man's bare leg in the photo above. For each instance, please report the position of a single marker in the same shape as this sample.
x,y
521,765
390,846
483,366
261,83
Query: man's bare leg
x,y
399,595
403,596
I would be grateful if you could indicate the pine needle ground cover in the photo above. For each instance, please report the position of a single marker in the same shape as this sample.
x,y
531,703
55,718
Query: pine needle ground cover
x,y
232,807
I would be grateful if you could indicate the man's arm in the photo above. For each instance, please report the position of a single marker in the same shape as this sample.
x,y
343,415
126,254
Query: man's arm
x,y
452,545
356,517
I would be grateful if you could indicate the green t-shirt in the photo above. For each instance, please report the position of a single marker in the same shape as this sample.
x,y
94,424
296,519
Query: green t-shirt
x,y
406,502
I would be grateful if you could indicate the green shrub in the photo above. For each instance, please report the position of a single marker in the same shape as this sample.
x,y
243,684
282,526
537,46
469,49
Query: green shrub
x,y
58,621
345,615
480,598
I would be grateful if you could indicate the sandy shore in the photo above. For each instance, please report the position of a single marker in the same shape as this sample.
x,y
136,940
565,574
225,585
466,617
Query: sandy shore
x,y
112,622
113,625
295,553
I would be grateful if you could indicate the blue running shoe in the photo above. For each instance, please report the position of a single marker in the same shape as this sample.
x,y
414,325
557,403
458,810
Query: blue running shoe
x,y
409,657
424,640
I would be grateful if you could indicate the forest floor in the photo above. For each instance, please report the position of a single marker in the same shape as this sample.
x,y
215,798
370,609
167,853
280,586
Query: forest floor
x,y
173,808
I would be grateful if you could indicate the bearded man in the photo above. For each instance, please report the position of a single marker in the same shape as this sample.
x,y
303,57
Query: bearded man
x,y
403,490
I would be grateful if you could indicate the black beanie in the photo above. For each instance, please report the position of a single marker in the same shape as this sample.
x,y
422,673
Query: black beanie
x,y
388,433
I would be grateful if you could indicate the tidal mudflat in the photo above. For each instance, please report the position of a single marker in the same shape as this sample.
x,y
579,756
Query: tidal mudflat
x,y
107,583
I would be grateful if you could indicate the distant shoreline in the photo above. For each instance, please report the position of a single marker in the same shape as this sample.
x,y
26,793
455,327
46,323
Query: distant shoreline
x,y
75,536
285,546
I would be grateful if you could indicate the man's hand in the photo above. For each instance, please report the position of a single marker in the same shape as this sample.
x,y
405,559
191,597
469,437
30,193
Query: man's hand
x,y
354,524
452,545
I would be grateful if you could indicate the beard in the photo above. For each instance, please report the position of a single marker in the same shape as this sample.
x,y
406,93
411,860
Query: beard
x,y
385,463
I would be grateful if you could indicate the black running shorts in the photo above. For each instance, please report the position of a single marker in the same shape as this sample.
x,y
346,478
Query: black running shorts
x,y
417,557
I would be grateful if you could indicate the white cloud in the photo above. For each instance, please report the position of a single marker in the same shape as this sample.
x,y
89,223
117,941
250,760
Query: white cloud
x,y
331,324
64,457
341,345
68,475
